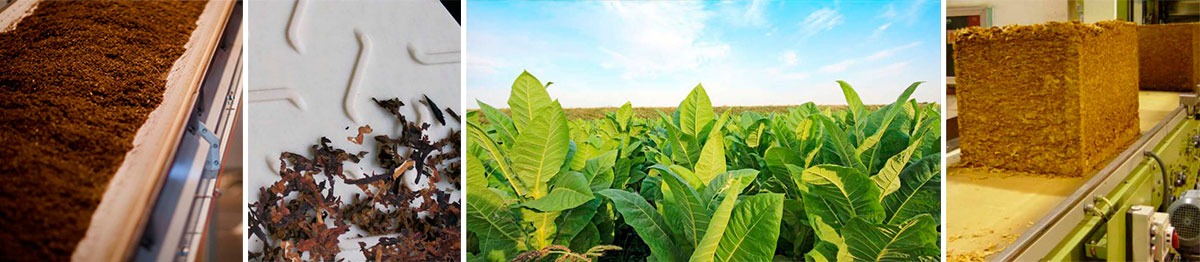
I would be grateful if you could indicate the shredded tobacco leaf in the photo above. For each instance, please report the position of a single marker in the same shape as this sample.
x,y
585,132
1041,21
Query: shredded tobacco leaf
x,y
307,226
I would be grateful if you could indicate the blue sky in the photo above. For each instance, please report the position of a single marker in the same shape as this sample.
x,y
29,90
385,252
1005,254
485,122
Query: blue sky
x,y
604,53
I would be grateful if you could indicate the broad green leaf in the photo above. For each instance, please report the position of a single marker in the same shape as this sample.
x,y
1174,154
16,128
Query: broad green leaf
x,y
646,221
830,245
690,216
544,227
572,222
719,185
888,179
841,145
501,122
571,189
695,112
651,189
683,146
624,114
528,97
868,146
688,176
590,236
499,155
490,219
919,193
476,180
755,135
777,159
599,178
795,227
707,248
753,229
913,240
712,157
836,194
857,110
541,150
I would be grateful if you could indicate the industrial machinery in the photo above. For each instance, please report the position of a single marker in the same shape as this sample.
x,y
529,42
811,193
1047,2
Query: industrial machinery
x,y
179,222
1144,205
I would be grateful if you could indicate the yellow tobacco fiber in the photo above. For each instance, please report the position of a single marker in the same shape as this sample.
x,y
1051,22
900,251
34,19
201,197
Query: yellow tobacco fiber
x,y
1055,98
1169,56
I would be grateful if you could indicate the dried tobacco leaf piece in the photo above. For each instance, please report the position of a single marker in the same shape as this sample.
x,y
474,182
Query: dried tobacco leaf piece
x,y
436,113
358,139
311,222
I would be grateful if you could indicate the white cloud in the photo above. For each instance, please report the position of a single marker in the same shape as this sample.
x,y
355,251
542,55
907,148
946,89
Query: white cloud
x,y
476,63
789,58
838,67
842,66
754,13
908,14
889,70
821,20
891,51
879,31
651,38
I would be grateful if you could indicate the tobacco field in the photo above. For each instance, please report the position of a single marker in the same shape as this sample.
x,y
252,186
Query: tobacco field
x,y
806,184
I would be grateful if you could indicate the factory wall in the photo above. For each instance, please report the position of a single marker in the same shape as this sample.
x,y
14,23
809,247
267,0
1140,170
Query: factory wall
x,y
1019,12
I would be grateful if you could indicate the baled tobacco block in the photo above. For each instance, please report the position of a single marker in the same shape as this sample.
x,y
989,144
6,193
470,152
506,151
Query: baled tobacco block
x,y
1169,56
1056,98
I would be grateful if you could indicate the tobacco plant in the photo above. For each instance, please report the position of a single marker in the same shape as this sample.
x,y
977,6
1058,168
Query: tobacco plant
x,y
808,184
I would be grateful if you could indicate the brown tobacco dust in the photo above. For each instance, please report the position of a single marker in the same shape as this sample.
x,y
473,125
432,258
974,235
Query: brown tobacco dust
x,y
77,80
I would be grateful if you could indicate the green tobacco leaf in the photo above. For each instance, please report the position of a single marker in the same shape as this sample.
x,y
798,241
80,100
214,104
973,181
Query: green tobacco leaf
x,y
707,248
777,159
695,112
858,111
753,229
573,221
836,194
756,133
795,227
841,145
624,114
544,228
541,150
501,122
492,221
599,178
590,236
689,215
646,221
683,146
476,180
830,245
919,193
709,194
913,240
688,176
479,137
868,148
571,189
712,157
888,179
528,97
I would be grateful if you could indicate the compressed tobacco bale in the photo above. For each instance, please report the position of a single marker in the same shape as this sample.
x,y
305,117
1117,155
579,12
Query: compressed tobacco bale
x,y
1169,56
1056,98
77,80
